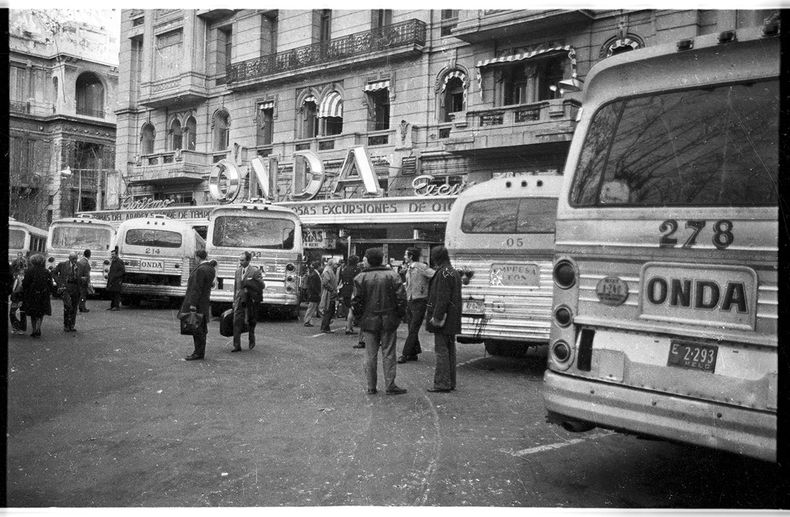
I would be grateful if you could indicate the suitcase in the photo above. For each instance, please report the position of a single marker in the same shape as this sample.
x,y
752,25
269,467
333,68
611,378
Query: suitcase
x,y
226,324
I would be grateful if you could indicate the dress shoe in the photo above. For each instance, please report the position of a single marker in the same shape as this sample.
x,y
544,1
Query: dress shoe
x,y
309,325
349,332
193,357
236,349
402,359
35,334
439,390
85,310
372,391
108,309
327,331
252,345
395,390
359,345
115,309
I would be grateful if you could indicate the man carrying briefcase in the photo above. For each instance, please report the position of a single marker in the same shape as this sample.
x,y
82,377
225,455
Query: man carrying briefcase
x,y
247,295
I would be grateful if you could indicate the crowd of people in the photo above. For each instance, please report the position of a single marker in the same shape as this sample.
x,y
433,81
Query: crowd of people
x,y
371,295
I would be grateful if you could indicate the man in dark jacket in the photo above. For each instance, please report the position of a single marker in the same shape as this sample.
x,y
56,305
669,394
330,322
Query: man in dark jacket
x,y
444,318
84,263
247,294
378,297
115,280
197,299
313,289
68,276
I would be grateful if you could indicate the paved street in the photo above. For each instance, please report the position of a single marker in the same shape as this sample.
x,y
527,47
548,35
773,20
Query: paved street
x,y
112,416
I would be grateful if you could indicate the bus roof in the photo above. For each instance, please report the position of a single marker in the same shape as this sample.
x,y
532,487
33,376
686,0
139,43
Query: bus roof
x,y
82,219
538,185
155,222
32,229
251,208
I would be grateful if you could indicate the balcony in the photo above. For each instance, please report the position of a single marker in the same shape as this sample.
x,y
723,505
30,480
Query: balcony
x,y
184,89
385,43
170,167
541,122
87,112
475,26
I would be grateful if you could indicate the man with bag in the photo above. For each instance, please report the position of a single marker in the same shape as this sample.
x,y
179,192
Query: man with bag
x,y
84,263
247,294
444,318
68,276
197,301
379,303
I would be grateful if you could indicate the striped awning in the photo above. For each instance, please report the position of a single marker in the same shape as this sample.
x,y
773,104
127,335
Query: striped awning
x,y
331,106
266,105
527,55
309,98
455,73
378,85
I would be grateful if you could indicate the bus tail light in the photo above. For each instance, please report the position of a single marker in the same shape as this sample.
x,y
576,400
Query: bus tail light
x,y
561,352
563,315
290,268
564,274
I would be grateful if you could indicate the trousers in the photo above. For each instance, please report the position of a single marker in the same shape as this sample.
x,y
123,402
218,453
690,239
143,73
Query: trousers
x,y
71,301
444,348
242,313
415,313
384,339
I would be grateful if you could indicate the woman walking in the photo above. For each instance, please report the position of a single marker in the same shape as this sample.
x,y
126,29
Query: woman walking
x,y
18,324
37,287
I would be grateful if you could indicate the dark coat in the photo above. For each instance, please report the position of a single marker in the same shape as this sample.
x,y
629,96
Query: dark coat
x,y
65,277
444,297
37,288
199,289
115,275
347,275
313,286
378,292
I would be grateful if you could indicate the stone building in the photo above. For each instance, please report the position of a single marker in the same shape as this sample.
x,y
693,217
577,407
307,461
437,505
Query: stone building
x,y
435,100
63,80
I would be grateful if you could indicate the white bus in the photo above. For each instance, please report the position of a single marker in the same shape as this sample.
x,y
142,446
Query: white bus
x,y
78,234
666,300
195,216
500,235
273,234
159,254
25,239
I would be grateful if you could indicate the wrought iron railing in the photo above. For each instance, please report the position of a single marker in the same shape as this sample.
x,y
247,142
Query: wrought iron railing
x,y
411,32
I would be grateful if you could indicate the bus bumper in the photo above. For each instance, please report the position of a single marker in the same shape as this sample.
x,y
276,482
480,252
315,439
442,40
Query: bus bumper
x,y
720,426
269,298
154,290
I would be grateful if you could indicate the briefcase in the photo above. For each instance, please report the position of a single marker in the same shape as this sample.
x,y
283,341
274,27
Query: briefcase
x,y
226,324
191,323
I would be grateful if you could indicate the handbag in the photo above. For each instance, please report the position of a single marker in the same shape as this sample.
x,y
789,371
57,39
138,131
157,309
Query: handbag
x,y
430,327
226,324
191,323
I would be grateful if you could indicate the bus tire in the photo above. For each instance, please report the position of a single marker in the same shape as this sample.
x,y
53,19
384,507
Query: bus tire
x,y
130,300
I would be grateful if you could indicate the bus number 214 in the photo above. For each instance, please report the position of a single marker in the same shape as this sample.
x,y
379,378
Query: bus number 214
x,y
722,233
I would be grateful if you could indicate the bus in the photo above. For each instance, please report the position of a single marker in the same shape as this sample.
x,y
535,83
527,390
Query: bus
x,y
273,234
159,254
25,239
664,318
500,236
78,234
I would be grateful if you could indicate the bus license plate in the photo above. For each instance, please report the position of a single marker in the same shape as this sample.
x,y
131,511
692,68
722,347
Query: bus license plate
x,y
527,275
152,265
473,307
693,356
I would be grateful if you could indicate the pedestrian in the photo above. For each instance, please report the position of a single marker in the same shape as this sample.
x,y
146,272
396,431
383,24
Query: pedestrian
x,y
16,313
378,294
346,290
247,295
67,274
360,340
328,294
197,299
417,275
312,292
115,280
341,311
37,287
444,318
85,264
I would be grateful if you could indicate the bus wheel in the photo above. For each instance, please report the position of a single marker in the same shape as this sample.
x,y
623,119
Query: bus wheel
x,y
131,301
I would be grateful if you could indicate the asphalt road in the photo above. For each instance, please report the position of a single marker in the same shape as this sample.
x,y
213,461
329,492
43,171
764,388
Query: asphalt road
x,y
112,416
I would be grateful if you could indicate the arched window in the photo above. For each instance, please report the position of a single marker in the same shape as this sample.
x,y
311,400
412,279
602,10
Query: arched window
x,y
191,131
221,131
452,95
147,135
90,95
331,114
176,135
309,120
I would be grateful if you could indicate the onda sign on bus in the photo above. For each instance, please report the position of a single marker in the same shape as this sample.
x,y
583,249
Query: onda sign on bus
x,y
308,178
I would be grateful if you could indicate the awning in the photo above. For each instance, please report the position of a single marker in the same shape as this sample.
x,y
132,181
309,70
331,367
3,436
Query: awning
x,y
455,73
331,106
309,98
268,105
379,85
527,55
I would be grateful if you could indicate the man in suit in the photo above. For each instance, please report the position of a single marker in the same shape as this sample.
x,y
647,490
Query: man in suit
x,y
68,276
115,280
247,294
197,299
85,265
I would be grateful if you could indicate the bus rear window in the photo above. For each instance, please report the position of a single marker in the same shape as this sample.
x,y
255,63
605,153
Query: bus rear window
x,y
16,239
715,146
510,215
149,237
253,232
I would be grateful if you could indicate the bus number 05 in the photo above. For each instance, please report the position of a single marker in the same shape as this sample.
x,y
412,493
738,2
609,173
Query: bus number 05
x,y
722,233
517,242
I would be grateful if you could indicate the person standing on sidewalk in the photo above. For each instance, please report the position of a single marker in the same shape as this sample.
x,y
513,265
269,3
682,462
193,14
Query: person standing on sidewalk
x,y
444,318
85,270
313,292
17,269
328,294
115,280
347,275
37,287
378,292
417,276
68,276
197,299
247,294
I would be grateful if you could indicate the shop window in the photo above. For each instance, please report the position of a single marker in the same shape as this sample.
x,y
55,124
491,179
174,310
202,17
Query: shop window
x,y
147,135
90,95
191,131
221,131
379,110
524,83
176,135
264,124
309,119
452,99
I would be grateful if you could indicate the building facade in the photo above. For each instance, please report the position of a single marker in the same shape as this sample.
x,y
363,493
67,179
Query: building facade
x,y
62,94
430,100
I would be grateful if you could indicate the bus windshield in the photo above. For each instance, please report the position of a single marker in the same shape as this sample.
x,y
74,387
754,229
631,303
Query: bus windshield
x,y
16,239
510,215
715,146
157,238
81,237
253,232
